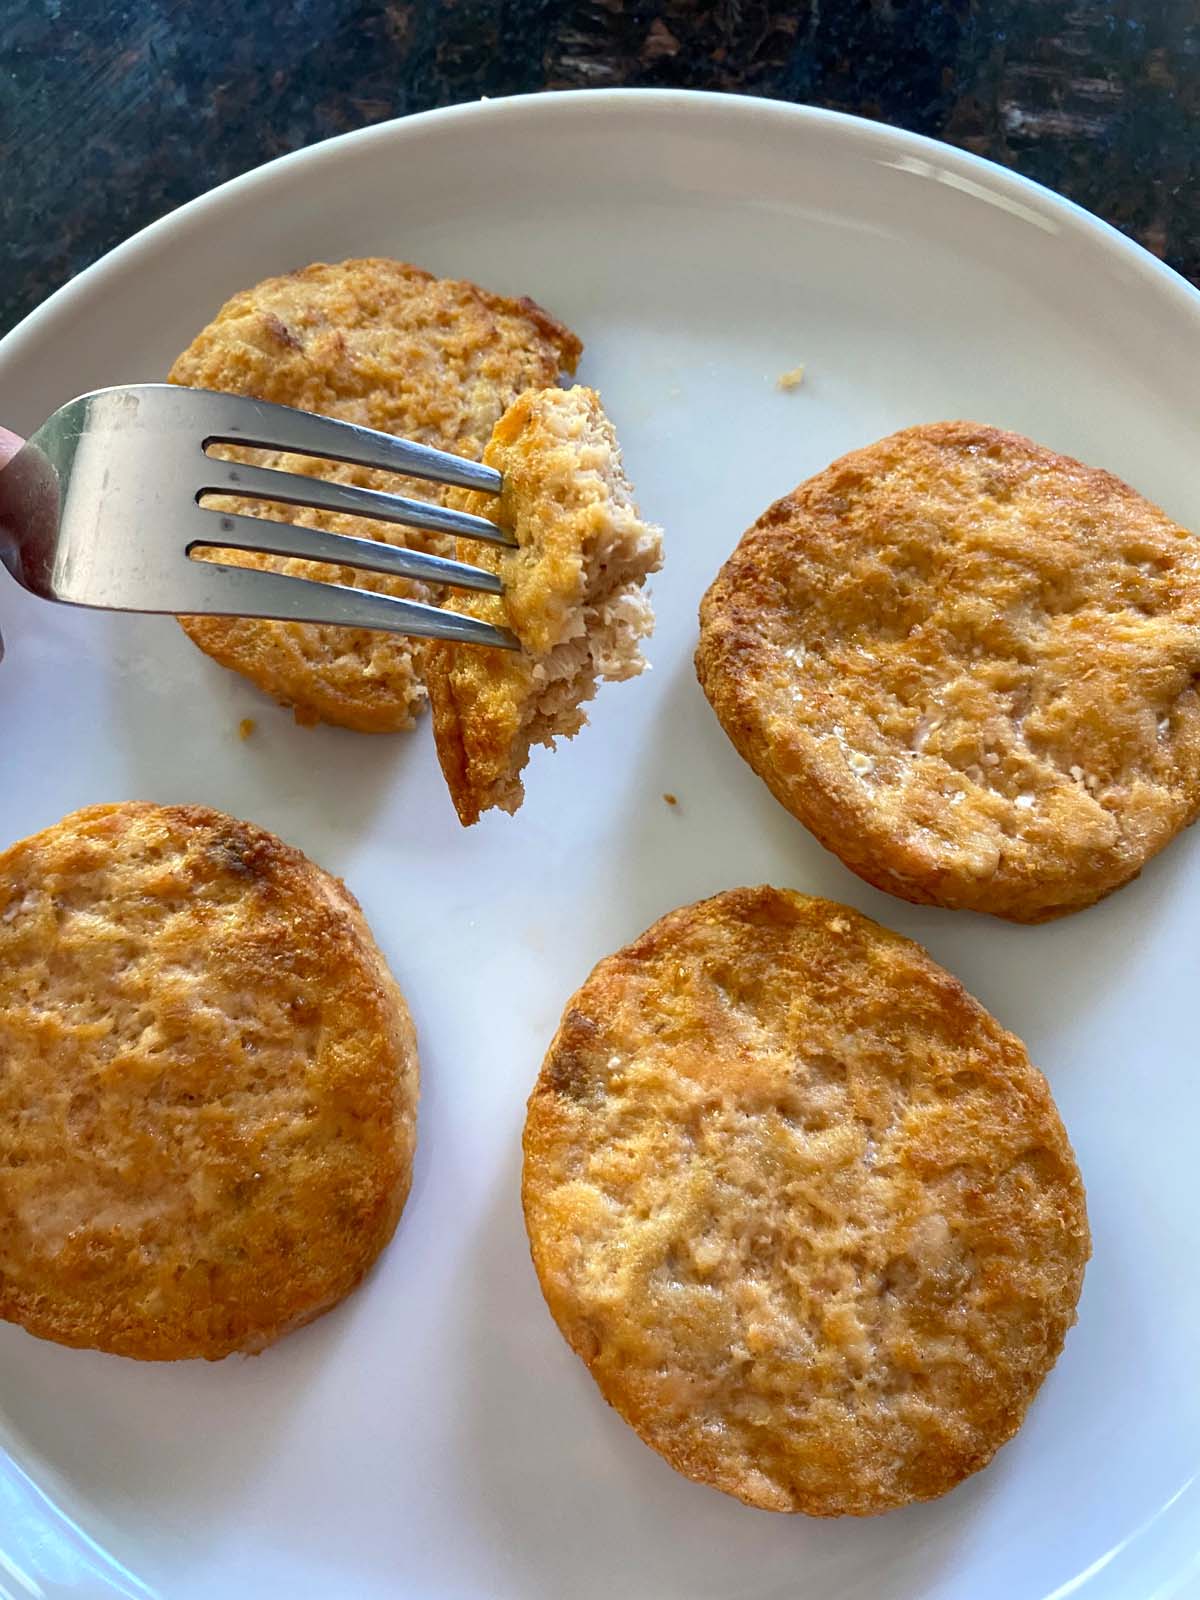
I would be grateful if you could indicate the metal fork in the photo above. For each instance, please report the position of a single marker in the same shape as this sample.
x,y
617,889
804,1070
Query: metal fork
x,y
104,506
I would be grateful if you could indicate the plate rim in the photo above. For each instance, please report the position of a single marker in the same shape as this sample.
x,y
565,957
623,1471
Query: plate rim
x,y
977,175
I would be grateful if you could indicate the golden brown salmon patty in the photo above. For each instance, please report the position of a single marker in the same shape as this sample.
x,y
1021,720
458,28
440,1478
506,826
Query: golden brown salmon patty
x,y
208,1085
969,666
573,596
387,346
803,1207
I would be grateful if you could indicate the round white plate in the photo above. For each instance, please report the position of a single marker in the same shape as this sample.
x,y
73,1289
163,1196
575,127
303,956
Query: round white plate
x,y
435,1437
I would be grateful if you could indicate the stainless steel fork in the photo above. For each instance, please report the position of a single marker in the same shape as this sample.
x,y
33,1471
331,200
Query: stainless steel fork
x,y
104,506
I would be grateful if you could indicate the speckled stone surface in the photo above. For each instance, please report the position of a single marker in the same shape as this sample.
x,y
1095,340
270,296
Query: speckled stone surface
x,y
113,112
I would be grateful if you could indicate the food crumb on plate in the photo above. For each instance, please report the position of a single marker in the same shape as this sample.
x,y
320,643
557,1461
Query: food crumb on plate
x,y
671,799
792,379
246,727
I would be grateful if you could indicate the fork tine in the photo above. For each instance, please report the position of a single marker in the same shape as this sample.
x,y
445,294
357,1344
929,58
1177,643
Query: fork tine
x,y
237,419
294,489
342,550
213,589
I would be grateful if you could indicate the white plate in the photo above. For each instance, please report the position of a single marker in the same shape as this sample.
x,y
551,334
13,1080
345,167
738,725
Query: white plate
x,y
435,1437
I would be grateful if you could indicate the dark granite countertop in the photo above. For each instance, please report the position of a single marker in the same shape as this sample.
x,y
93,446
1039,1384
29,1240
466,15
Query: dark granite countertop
x,y
113,112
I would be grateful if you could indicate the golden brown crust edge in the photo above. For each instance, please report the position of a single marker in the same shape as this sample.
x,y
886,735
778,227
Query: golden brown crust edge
x,y
353,678
466,737
256,1269
450,721
187,366
573,1062
570,508
729,660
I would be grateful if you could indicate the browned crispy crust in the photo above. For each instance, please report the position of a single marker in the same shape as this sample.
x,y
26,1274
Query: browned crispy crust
x,y
208,1085
572,596
802,1206
969,666
386,345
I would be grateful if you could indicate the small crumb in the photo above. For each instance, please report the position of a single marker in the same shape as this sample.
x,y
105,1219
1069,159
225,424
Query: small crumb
x,y
671,799
246,727
791,379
